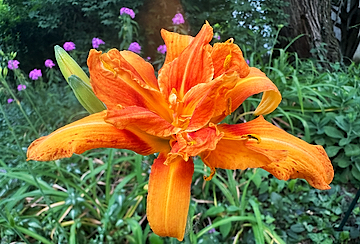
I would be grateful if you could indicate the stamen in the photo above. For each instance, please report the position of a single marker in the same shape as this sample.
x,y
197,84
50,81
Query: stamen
x,y
227,61
212,173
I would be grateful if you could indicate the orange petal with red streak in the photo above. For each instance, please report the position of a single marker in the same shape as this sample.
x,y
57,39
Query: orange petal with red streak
x,y
142,119
89,133
194,143
303,160
256,82
116,81
175,44
227,57
169,196
202,100
191,67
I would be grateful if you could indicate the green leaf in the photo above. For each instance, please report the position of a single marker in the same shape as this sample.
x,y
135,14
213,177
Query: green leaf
x,y
332,150
215,210
352,150
355,171
225,229
155,239
297,228
333,132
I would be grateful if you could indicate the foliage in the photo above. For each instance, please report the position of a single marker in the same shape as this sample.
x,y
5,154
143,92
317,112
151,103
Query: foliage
x,y
100,196
50,22
251,23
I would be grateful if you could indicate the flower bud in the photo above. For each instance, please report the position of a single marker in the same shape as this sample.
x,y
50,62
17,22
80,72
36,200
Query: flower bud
x,y
68,65
85,95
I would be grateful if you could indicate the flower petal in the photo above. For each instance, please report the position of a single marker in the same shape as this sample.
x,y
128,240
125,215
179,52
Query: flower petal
x,y
175,44
303,160
116,82
169,196
89,133
194,143
145,69
191,67
201,101
227,57
142,119
252,84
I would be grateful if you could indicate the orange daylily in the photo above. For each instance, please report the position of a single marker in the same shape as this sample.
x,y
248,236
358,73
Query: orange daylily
x,y
177,115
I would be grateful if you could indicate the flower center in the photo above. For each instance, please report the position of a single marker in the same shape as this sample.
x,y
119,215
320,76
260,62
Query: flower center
x,y
176,105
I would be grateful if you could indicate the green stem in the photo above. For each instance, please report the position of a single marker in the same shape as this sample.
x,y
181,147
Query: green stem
x,y
14,229
3,81
34,107
11,130
108,175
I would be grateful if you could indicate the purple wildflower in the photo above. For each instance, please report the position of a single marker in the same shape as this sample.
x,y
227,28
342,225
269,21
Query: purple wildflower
x,y
135,47
247,61
211,231
35,74
127,11
49,63
178,19
13,64
68,46
96,42
148,58
217,36
162,49
21,87
10,100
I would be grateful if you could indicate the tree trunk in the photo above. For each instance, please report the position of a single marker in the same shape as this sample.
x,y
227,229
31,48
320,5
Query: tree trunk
x,y
312,19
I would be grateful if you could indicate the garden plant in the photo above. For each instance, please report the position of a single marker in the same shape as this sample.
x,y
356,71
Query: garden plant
x,y
214,139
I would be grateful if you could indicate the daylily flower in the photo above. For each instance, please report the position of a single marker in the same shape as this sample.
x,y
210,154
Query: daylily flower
x,y
178,115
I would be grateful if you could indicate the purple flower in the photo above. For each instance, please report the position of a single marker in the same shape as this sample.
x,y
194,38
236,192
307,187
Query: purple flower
x,y
96,42
21,87
68,46
217,36
10,100
13,64
212,231
247,61
178,19
128,11
35,74
148,58
162,49
135,47
49,63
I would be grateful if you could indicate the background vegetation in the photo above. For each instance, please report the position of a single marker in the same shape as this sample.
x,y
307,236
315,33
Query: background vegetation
x,y
100,196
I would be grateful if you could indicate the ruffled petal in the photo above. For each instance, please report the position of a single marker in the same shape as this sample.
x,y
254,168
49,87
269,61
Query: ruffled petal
x,y
116,82
191,144
89,133
227,57
191,67
175,44
142,119
169,196
256,82
303,160
144,69
201,101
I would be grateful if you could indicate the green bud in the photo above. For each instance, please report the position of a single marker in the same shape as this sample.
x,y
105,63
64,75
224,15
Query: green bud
x,y
68,65
85,95
5,72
